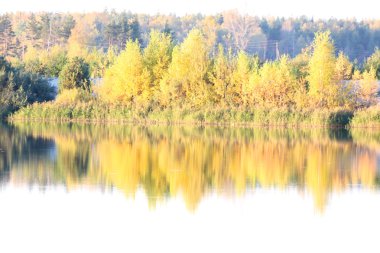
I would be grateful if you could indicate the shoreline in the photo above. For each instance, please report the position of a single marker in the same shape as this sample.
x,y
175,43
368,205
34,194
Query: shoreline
x,y
177,123
93,113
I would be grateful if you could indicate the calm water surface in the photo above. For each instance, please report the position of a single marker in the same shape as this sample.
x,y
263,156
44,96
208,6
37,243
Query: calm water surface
x,y
96,188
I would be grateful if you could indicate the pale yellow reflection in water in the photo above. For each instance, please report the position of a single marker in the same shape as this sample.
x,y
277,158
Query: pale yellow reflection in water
x,y
167,162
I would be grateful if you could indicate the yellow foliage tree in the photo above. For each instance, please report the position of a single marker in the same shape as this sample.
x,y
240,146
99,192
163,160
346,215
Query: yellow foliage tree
x,y
186,79
221,77
357,75
273,85
343,68
127,81
368,88
241,88
82,35
323,87
99,61
157,57
209,27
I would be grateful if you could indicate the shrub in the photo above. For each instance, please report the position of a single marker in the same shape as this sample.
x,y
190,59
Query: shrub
x,y
75,74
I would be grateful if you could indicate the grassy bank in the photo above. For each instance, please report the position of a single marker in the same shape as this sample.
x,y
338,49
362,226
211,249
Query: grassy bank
x,y
369,118
98,112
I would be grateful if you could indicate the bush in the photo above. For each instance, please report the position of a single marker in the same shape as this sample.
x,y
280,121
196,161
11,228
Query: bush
x,y
73,96
19,88
369,117
75,74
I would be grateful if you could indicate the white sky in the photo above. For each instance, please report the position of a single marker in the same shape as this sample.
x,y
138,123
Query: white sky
x,y
363,9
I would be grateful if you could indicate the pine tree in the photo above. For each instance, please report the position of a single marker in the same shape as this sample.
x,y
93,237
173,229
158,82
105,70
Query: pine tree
x,y
168,31
134,29
47,30
112,30
33,31
75,74
67,24
8,46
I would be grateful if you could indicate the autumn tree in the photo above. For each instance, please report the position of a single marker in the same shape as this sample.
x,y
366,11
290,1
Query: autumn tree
x,y
157,57
374,62
186,79
343,68
210,27
82,37
221,77
273,85
99,60
323,86
127,80
368,88
240,88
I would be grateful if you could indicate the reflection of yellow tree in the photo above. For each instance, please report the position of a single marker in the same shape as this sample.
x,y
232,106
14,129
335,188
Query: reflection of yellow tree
x,y
167,161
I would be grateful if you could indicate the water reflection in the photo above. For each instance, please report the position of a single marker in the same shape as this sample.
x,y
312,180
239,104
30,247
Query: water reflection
x,y
168,161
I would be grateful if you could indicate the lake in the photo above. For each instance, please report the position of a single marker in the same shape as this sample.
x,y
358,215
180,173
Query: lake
x,y
113,188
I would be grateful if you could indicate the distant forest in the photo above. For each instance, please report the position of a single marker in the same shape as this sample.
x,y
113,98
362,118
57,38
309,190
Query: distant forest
x,y
268,38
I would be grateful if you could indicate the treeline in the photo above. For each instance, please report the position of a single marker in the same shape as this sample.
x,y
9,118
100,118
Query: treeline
x,y
45,41
187,75
173,82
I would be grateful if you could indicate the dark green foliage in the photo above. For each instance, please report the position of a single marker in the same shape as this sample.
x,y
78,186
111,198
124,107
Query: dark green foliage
x,y
55,65
48,29
340,118
36,89
75,74
121,28
168,31
8,42
33,31
51,67
67,23
12,96
19,88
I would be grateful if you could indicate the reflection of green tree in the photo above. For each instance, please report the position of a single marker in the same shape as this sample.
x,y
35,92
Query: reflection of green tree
x,y
73,163
37,159
10,146
166,161
4,154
